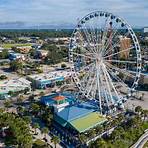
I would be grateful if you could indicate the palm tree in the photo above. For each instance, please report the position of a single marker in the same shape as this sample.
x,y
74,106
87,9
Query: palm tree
x,y
10,93
138,109
55,140
45,131
20,110
35,108
82,138
99,129
7,104
20,99
101,143
35,126
145,113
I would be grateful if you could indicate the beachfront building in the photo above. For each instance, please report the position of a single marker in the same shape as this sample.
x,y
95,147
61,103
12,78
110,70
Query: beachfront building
x,y
46,80
8,87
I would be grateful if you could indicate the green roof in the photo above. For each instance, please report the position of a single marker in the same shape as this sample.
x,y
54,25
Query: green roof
x,y
89,121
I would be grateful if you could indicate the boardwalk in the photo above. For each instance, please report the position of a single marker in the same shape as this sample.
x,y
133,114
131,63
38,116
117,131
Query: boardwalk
x,y
141,141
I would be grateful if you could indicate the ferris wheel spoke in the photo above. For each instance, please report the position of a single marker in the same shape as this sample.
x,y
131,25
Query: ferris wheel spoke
x,y
107,49
108,42
88,37
119,61
110,70
98,75
108,86
89,86
111,83
119,52
86,67
92,34
123,71
83,55
115,45
88,74
104,94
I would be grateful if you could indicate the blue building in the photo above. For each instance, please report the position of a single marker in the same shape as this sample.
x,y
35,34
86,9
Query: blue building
x,y
45,80
72,114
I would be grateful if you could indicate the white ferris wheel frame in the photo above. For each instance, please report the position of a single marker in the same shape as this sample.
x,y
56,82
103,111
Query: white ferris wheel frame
x,y
104,69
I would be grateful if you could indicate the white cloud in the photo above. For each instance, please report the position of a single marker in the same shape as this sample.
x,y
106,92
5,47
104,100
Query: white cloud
x,y
67,11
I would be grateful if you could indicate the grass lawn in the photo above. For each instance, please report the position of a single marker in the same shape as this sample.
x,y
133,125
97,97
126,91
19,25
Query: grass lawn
x,y
8,46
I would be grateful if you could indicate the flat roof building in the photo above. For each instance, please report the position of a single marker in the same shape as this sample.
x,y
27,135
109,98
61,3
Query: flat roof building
x,y
23,49
44,80
13,85
145,29
80,117
16,56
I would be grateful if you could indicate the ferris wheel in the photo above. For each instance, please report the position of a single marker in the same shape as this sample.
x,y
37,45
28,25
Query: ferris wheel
x,y
105,59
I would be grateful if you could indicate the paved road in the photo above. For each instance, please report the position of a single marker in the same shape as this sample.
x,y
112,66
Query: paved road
x,y
141,141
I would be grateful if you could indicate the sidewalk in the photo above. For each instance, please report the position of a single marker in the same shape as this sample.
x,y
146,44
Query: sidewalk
x,y
41,136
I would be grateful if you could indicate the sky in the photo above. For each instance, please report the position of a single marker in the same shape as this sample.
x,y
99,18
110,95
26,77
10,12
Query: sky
x,y
22,13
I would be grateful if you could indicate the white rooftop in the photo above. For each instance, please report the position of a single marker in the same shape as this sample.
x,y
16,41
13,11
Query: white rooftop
x,y
50,76
14,85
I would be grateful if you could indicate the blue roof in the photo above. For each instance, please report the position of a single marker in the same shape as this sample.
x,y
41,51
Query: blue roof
x,y
76,111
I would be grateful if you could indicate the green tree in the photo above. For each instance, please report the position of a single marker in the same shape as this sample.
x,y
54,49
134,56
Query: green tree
x,y
35,108
63,65
7,104
20,99
4,54
11,93
27,119
138,109
101,143
36,126
145,114
82,138
20,110
3,77
44,131
55,140
16,65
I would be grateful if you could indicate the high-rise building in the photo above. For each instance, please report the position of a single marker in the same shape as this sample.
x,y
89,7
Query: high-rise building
x,y
125,43
145,29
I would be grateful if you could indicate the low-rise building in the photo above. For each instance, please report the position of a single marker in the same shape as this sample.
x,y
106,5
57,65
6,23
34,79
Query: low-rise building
x,y
143,82
16,56
45,80
72,114
14,86
23,49
41,53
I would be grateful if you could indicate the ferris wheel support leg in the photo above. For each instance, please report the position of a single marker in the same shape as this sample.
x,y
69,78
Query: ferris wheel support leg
x,y
98,85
